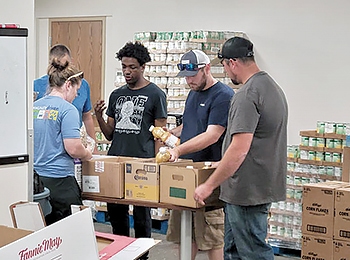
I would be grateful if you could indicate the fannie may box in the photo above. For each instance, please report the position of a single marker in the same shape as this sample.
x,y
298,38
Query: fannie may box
x,y
103,175
70,238
179,180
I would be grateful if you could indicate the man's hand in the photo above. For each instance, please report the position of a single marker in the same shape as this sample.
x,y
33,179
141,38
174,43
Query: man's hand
x,y
202,192
174,154
99,107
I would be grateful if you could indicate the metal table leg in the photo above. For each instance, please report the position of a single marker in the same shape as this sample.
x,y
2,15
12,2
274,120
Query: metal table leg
x,y
186,235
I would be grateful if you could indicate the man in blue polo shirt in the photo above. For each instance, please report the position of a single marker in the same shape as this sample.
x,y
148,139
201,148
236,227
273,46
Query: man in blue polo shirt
x,y
82,102
201,135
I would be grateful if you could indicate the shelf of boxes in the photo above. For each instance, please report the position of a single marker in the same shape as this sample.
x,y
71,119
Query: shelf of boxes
x,y
318,158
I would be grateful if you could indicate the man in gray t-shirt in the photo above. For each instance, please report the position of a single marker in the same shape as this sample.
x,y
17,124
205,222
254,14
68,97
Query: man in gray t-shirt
x,y
252,172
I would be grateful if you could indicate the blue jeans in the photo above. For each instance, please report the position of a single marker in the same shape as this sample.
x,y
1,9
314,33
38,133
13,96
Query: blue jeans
x,y
245,233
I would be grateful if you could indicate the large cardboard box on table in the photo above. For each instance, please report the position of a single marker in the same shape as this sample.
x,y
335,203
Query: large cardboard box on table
x,y
103,175
342,214
70,238
315,247
318,208
142,179
179,180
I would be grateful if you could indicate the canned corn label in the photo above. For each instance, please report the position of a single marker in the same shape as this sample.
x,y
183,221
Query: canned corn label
x,y
340,128
305,141
304,155
273,229
290,206
290,166
288,233
330,127
320,127
298,207
320,142
336,157
298,194
305,180
312,155
296,233
319,156
280,218
321,169
296,221
338,143
337,171
313,141
280,231
288,220
330,170
281,205
297,180
329,143
274,205
290,193
328,157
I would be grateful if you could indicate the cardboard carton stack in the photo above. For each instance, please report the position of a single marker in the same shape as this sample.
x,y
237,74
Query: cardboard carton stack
x,y
320,156
326,221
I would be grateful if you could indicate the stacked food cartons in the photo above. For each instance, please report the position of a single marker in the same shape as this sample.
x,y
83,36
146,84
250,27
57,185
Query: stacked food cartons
x,y
318,158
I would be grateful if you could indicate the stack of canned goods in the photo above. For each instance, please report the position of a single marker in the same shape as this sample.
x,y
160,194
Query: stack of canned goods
x,y
316,171
333,127
312,141
286,225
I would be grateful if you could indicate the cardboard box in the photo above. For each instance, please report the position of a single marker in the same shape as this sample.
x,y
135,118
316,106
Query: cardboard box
x,y
104,176
70,238
342,214
10,234
346,161
341,250
314,247
177,184
142,180
318,208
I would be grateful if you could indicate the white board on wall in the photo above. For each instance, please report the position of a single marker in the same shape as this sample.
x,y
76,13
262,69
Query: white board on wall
x,y
13,96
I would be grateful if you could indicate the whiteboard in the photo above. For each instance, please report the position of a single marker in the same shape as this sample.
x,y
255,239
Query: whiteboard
x,y
13,96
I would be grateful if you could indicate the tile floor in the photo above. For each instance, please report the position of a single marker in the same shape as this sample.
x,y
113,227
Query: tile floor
x,y
167,250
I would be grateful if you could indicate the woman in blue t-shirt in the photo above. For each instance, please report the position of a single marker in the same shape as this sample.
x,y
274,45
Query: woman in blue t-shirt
x,y
57,139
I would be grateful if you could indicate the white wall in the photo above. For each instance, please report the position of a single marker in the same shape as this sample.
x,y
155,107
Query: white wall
x,y
16,179
302,44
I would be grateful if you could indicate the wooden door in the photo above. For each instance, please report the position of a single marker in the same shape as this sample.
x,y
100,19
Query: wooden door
x,y
85,40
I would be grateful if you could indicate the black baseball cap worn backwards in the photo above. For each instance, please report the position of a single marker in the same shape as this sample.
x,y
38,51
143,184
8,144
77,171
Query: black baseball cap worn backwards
x,y
235,47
